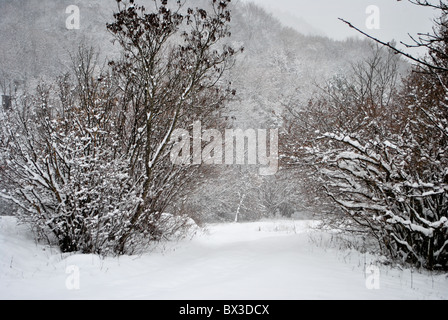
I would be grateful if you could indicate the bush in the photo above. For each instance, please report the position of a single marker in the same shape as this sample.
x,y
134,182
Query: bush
x,y
87,158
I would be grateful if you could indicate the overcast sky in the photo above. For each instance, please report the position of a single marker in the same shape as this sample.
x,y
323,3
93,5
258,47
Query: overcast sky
x,y
397,18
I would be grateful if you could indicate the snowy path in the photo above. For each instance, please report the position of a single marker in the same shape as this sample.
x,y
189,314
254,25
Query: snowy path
x,y
264,260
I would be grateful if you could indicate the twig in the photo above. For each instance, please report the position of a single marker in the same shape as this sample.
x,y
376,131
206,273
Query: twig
x,y
397,51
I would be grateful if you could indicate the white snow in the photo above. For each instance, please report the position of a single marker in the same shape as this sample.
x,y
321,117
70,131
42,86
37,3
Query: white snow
x,y
263,260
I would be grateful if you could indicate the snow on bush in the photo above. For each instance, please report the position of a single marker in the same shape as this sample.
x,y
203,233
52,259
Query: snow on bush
x,y
373,148
87,159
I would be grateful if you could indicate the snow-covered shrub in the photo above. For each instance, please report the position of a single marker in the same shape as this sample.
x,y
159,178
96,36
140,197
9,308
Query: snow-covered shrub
x,y
87,159
380,159
61,160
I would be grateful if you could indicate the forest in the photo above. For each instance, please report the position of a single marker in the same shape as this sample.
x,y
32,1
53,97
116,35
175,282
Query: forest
x,y
145,118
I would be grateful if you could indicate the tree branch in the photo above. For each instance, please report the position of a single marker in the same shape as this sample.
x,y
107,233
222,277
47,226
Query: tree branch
x,y
397,51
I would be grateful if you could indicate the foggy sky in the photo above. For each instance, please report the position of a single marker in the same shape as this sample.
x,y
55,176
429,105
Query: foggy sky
x,y
397,18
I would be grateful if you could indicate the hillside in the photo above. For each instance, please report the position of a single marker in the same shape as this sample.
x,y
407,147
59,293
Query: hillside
x,y
278,65
277,62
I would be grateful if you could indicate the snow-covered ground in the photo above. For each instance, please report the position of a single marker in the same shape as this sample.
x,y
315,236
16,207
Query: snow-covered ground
x,y
264,260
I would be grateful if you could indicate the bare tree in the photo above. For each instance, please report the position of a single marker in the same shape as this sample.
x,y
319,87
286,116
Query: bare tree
x,y
166,84
88,158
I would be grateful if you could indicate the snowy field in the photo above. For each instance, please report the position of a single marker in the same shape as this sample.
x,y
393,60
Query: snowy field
x,y
251,261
